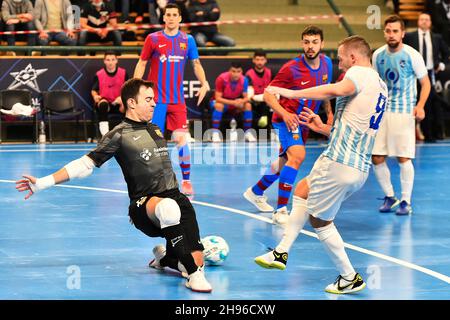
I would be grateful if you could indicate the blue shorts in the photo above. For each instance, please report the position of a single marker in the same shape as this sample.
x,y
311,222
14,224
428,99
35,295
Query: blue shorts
x,y
226,107
287,138
159,115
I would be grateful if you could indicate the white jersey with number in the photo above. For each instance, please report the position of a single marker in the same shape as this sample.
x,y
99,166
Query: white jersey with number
x,y
357,119
400,71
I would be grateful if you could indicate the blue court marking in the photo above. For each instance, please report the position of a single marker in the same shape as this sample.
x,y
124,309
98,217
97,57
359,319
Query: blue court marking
x,y
59,228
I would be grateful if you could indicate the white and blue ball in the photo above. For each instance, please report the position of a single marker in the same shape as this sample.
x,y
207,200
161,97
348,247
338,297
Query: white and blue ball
x,y
216,250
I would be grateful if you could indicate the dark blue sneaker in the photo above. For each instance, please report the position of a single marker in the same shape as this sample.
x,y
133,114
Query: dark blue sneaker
x,y
404,209
390,203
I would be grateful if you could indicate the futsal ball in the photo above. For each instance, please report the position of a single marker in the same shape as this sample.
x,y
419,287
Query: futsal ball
x,y
216,250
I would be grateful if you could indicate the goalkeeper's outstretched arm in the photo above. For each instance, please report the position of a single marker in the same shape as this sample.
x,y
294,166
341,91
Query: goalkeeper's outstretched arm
x,y
78,168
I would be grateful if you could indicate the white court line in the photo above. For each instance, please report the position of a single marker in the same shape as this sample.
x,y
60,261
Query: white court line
x,y
42,150
347,245
403,263
195,147
208,146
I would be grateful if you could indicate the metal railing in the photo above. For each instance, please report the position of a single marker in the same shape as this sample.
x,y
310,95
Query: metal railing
x,y
74,50
344,22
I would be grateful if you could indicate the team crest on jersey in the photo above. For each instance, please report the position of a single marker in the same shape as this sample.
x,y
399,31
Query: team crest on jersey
x,y
159,133
183,46
163,58
402,63
382,61
145,154
325,78
296,136
141,201
392,75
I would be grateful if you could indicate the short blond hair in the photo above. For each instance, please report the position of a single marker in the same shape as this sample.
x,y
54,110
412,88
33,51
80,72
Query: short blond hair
x,y
357,43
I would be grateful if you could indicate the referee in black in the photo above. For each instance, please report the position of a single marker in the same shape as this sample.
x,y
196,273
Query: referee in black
x,y
157,207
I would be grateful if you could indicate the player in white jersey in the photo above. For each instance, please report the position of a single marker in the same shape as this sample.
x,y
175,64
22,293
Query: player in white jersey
x,y
399,65
343,167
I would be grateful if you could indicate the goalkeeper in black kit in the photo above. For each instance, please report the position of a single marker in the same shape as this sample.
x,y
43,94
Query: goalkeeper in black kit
x,y
157,207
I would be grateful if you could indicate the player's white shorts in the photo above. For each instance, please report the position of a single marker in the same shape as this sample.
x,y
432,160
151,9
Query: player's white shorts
x,y
396,136
330,183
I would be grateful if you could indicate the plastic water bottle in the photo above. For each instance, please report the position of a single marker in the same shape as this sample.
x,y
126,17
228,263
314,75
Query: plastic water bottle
x,y
233,124
42,137
273,136
233,131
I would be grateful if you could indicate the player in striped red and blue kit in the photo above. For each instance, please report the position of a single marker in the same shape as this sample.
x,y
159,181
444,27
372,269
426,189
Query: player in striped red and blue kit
x,y
168,51
231,96
306,71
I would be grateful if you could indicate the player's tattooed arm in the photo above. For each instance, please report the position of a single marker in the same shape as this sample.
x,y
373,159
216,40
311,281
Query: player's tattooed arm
x,y
201,76
328,111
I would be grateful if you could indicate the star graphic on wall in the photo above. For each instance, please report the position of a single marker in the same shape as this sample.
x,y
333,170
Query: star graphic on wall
x,y
26,77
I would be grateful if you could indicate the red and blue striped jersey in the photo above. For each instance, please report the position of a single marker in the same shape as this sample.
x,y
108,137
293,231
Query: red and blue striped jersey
x,y
231,89
297,74
168,55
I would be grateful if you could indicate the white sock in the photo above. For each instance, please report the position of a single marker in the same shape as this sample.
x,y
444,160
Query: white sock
x,y
334,246
383,176
294,225
407,179
103,126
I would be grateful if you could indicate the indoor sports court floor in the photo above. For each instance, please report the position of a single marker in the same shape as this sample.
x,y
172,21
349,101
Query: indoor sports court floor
x,y
75,241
